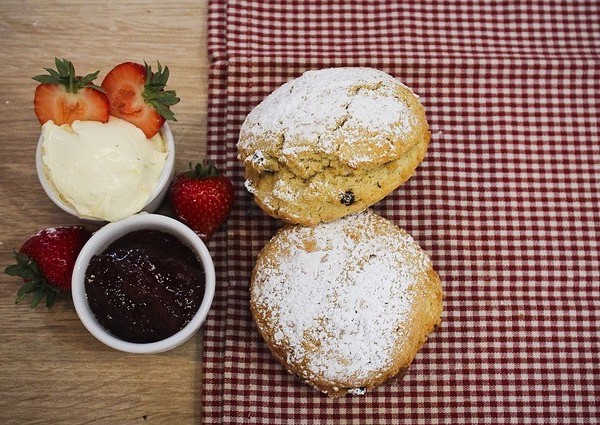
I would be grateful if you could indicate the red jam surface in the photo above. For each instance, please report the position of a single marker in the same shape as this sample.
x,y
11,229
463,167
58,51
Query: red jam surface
x,y
145,287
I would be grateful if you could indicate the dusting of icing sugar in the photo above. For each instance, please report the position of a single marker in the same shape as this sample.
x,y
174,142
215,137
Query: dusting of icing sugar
x,y
327,107
337,302
294,150
250,186
357,391
283,190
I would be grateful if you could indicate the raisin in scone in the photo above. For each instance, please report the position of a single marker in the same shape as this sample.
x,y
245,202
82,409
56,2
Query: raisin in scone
x,y
345,305
331,142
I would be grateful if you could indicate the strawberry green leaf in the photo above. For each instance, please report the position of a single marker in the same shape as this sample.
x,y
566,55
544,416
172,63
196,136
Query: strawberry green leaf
x,y
21,297
87,79
45,79
25,267
168,98
52,72
32,285
51,298
38,296
62,66
15,270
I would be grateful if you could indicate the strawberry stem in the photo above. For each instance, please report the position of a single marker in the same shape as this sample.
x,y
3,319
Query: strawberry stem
x,y
72,87
203,170
65,76
155,94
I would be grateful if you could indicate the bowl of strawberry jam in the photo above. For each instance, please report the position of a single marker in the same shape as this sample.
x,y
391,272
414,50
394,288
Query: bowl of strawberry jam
x,y
144,284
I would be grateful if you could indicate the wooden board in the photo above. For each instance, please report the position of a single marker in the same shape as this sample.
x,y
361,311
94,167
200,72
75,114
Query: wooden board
x,y
53,370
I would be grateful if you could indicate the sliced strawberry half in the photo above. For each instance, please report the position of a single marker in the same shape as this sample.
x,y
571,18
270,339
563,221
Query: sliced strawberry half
x,y
64,97
137,94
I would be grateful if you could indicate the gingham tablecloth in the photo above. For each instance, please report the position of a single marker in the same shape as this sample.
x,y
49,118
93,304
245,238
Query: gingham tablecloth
x,y
506,203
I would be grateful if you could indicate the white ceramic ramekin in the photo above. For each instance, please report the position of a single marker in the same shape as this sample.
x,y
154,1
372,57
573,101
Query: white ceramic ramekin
x,y
158,193
108,234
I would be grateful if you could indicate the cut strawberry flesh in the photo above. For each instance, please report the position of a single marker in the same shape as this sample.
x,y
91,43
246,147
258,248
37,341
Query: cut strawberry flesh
x,y
126,102
53,102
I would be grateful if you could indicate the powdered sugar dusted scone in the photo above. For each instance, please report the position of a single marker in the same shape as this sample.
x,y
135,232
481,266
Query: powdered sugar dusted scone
x,y
331,142
345,305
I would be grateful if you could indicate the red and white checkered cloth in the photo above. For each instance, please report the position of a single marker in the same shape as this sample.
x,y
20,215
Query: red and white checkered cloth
x,y
506,203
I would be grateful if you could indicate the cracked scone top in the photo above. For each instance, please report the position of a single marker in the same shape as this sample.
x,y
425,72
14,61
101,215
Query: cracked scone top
x,y
331,142
345,305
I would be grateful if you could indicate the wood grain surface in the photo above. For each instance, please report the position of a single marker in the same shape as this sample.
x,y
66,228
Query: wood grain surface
x,y
53,370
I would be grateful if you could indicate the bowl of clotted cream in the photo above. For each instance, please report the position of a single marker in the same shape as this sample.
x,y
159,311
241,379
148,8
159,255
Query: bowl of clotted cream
x,y
104,171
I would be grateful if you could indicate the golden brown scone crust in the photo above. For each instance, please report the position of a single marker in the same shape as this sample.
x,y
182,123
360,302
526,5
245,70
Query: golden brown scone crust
x,y
332,142
345,305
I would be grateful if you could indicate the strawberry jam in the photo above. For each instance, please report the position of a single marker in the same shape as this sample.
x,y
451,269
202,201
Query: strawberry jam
x,y
145,287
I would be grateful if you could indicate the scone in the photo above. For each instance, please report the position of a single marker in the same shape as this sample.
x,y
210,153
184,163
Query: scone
x,y
345,305
331,142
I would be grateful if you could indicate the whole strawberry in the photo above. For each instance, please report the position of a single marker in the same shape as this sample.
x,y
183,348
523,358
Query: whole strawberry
x,y
46,261
202,198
